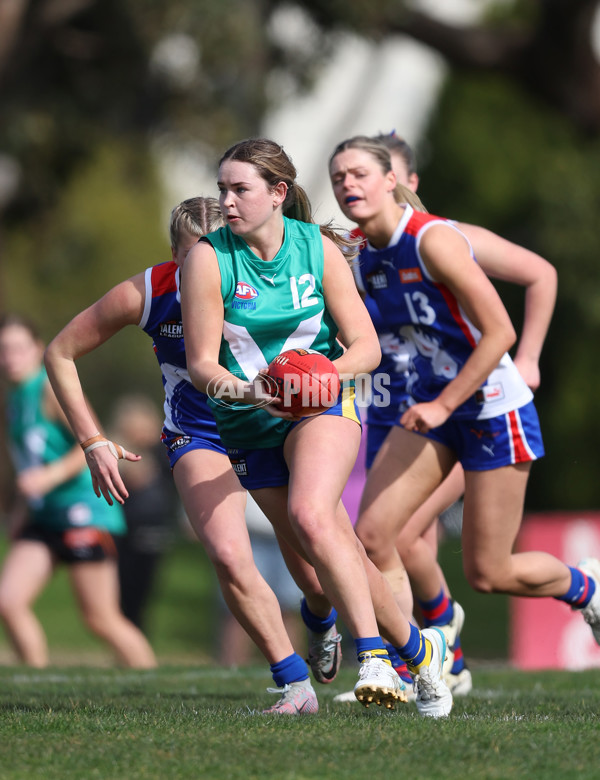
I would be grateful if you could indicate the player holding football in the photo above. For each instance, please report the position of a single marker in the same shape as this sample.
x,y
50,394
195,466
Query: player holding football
x,y
211,494
303,295
467,401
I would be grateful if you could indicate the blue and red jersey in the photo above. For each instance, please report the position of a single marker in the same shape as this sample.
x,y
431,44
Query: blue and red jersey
x,y
186,408
425,335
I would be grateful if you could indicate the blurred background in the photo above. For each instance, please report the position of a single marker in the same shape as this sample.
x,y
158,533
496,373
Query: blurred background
x,y
112,111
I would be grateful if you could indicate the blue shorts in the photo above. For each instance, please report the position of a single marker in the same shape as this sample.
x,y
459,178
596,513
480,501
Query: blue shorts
x,y
178,444
482,445
262,468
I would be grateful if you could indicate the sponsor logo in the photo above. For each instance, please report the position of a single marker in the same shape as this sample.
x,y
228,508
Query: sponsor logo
x,y
377,280
240,466
245,291
410,275
172,329
489,393
483,434
179,442
270,279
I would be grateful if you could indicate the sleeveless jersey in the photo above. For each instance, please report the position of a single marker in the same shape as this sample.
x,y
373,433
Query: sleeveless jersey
x,y
186,408
269,307
388,397
35,440
427,323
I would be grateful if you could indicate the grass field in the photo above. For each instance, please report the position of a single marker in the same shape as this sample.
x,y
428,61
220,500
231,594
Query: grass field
x,y
191,719
183,722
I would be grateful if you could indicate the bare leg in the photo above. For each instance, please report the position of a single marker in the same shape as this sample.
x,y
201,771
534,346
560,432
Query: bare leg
x,y
491,520
406,471
96,586
214,502
418,539
27,569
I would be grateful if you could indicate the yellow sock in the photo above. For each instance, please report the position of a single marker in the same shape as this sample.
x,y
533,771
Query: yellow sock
x,y
423,657
381,654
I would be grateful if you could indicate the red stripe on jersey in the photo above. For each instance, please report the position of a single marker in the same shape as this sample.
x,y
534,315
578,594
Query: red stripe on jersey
x,y
452,304
521,452
163,279
418,219
357,233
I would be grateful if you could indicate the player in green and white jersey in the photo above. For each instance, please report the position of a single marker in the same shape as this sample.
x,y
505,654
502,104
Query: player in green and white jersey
x,y
58,519
268,281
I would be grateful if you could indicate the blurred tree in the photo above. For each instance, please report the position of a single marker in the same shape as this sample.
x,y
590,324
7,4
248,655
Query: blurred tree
x,y
545,47
89,90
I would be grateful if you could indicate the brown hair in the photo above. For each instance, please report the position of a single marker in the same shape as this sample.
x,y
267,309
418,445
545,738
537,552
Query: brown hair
x,y
20,320
274,166
381,154
398,145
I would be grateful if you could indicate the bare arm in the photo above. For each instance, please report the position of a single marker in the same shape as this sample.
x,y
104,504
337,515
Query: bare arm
x,y
501,259
122,305
447,258
38,480
355,327
203,317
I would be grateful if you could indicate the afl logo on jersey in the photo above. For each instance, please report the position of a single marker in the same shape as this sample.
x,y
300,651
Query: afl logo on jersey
x,y
245,291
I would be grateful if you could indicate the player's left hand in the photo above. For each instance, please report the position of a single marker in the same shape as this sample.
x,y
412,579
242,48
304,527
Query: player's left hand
x,y
421,418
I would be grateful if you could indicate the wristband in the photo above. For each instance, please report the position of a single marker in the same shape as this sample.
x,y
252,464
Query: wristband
x,y
91,440
115,449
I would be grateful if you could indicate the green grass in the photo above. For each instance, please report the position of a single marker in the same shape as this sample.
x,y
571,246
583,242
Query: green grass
x,y
192,719
192,722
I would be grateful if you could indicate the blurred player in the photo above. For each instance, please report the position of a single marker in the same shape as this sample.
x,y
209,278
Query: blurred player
x,y
57,519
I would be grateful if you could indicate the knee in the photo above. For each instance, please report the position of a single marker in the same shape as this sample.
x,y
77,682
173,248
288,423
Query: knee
x,y
231,561
372,540
9,607
481,579
310,523
99,623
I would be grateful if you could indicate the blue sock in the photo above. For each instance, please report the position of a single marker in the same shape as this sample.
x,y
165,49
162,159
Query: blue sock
x,y
314,623
398,664
438,611
459,659
581,591
289,670
393,654
415,652
371,645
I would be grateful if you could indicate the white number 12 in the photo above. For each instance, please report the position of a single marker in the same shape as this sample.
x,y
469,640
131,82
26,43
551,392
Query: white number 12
x,y
306,300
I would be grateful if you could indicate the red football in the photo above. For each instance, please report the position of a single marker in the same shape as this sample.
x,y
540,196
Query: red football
x,y
306,380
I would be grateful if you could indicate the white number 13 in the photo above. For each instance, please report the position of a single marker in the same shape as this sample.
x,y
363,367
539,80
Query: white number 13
x,y
421,313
